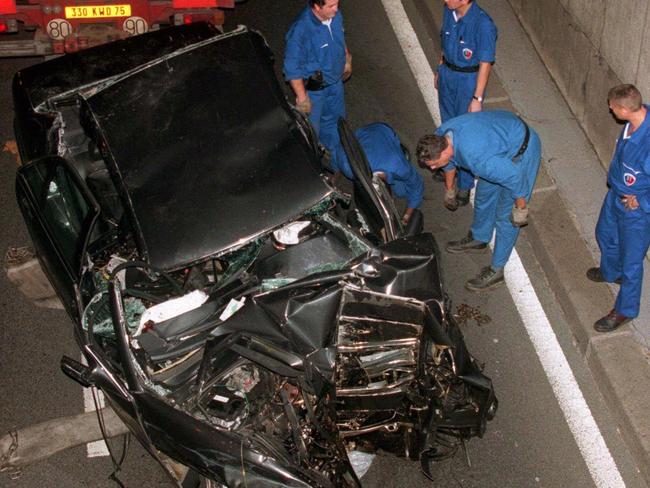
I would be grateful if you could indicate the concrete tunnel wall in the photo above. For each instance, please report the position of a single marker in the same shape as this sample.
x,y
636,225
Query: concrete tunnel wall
x,y
589,46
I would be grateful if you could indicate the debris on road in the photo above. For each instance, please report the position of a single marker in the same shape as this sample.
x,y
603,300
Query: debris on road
x,y
12,148
465,312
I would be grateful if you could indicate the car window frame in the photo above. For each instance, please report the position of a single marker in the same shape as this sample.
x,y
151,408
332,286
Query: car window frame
x,y
71,263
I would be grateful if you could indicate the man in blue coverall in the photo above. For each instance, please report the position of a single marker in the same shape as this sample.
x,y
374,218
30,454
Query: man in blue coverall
x,y
316,62
504,153
468,38
384,152
623,229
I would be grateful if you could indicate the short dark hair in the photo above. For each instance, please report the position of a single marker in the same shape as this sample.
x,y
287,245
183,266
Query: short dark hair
x,y
320,3
429,148
627,96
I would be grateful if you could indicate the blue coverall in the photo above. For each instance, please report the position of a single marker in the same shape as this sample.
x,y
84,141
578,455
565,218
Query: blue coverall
x,y
384,153
467,42
485,143
624,235
313,46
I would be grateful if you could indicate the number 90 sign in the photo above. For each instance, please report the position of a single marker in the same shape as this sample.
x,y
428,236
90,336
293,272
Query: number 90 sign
x,y
135,25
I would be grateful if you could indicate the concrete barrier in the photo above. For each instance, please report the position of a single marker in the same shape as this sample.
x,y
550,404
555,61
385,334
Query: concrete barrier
x,y
589,46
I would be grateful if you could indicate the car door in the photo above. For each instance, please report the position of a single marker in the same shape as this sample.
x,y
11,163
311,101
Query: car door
x,y
60,213
372,196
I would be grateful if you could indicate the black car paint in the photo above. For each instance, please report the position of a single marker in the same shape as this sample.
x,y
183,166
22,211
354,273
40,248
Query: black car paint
x,y
299,337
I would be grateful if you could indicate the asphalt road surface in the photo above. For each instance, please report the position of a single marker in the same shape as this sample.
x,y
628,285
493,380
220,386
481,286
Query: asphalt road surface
x,y
529,444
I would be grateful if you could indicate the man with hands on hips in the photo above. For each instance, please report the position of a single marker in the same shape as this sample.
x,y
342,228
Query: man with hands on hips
x,y
623,228
504,153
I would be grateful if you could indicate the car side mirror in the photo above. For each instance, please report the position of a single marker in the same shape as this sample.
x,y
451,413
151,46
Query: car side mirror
x,y
76,371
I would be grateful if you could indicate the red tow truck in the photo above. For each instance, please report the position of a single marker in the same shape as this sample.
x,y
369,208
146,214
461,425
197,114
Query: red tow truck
x,y
48,27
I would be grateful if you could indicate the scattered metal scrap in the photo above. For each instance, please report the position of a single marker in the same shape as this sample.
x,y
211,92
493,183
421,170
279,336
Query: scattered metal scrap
x,y
465,312
18,255
12,148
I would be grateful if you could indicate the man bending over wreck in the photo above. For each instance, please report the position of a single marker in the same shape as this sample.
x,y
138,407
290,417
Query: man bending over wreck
x,y
504,153
384,153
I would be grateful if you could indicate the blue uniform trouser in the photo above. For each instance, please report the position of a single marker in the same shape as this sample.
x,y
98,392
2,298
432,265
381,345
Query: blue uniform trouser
x,y
327,106
493,206
455,92
623,237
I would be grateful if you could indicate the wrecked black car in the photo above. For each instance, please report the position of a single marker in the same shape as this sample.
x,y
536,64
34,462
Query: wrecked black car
x,y
242,315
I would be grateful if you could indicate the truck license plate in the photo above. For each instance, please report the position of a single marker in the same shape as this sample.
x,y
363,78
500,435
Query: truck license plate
x,y
97,11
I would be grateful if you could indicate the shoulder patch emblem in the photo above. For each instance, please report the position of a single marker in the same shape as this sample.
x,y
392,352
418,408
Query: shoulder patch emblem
x,y
467,53
629,179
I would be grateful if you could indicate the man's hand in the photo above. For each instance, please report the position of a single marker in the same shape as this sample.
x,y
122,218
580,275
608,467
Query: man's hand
x,y
519,216
450,201
630,202
347,70
435,79
407,216
303,102
475,106
304,105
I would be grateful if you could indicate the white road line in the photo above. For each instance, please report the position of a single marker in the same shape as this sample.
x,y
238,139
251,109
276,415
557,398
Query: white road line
x,y
544,189
415,56
495,100
96,448
588,437
590,441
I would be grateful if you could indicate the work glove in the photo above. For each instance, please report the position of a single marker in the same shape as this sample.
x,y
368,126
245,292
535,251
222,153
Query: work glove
x,y
519,216
304,106
450,201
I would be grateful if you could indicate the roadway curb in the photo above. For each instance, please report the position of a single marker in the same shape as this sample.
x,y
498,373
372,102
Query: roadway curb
x,y
617,362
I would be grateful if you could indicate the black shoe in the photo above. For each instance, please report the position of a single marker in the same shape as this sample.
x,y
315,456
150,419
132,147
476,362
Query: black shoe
x,y
462,198
611,321
489,277
594,274
466,244
439,175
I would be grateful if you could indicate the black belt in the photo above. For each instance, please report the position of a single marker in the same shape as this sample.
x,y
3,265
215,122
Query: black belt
x,y
316,82
524,145
460,69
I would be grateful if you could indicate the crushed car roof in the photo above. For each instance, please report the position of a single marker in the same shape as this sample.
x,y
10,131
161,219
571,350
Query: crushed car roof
x,y
42,81
206,149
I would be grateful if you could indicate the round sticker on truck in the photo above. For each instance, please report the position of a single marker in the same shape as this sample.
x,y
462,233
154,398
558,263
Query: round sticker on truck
x,y
58,29
135,26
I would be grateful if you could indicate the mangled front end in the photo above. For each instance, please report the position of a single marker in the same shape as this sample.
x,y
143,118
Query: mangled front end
x,y
304,373
405,383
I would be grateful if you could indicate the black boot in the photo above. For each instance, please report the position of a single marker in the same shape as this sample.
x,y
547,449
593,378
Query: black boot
x,y
488,278
466,244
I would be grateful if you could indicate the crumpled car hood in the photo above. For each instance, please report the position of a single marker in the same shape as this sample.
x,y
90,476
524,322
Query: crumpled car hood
x,y
157,128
